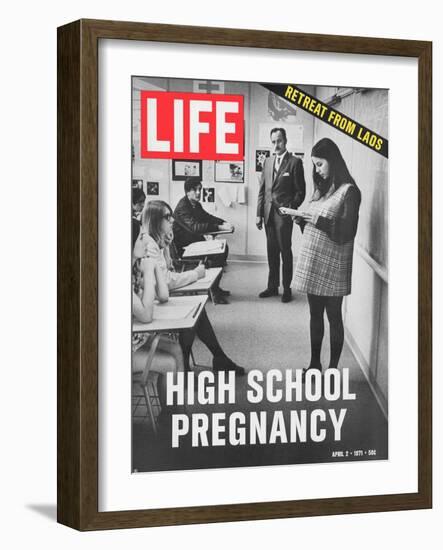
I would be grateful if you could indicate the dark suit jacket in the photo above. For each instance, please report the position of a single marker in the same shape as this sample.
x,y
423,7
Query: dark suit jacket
x,y
288,188
191,222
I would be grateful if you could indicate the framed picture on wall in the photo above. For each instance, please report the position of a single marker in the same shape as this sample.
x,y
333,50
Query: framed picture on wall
x,y
137,183
208,194
182,169
152,187
231,172
281,401
260,156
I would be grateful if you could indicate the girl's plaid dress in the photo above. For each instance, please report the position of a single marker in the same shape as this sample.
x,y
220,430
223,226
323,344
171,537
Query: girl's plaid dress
x,y
324,267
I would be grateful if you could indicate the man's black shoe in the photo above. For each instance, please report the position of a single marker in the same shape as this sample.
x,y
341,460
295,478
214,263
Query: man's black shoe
x,y
223,363
287,296
311,367
268,293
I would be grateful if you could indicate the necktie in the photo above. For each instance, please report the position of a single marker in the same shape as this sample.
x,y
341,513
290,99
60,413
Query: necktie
x,y
276,166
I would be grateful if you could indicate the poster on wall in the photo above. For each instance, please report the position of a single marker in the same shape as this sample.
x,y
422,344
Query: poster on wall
x,y
208,194
229,172
152,187
137,184
260,156
182,169
284,373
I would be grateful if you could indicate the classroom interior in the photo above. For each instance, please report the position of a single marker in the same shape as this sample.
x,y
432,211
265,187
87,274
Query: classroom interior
x,y
263,334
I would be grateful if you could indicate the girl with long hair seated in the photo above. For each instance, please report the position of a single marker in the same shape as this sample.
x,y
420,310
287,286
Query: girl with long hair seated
x,y
324,262
155,237
148,283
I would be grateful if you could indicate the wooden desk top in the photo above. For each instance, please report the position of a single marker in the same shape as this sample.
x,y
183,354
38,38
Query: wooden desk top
x,y
221,232
174,325
202,285
211,249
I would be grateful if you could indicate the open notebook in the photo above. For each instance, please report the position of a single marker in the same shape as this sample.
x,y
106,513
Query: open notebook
x,y
205,247
170,311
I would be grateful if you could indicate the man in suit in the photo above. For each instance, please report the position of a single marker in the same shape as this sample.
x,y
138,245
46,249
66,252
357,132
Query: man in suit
x,y
282,184
192,222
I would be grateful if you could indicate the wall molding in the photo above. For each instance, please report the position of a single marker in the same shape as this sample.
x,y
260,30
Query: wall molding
x,y
362,363
381,271
252,258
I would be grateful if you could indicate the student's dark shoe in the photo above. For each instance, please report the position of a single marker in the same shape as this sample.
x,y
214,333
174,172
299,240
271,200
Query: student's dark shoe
x,y
219,299
223,363
267,293
311,367
287,296
224,292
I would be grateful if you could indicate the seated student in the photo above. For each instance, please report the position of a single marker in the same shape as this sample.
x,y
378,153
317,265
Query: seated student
x,y
147,283
155,238
138,202
191,222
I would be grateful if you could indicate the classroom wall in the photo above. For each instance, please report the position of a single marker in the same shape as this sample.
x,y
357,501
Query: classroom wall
x,y
366,309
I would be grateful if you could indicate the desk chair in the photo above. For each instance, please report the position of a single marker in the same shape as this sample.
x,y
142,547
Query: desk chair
x,y
183,264
144,380
140,407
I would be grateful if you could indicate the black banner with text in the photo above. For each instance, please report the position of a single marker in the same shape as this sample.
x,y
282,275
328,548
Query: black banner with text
x,y
333,117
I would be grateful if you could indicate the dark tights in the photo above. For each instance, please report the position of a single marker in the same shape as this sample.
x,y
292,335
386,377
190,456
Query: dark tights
x,y
206,333
317,306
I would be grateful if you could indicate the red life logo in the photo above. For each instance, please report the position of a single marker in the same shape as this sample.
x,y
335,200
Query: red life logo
x,y
191,126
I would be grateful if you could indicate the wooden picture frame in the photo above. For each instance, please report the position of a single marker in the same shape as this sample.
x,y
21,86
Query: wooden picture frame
x,y
77,455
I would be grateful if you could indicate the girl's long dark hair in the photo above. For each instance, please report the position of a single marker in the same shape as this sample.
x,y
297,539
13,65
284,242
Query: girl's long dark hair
x,y
152,217
338,171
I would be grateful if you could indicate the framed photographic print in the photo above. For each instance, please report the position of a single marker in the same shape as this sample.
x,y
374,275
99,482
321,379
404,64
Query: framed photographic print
x,y
260,156
230,172
208,194
173,410
182,169
137,184
152,188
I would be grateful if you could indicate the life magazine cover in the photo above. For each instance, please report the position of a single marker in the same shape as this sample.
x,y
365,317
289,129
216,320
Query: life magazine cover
x,y
259,274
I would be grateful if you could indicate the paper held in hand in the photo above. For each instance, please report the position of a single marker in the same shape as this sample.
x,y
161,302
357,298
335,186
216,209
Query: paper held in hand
x,y
290,211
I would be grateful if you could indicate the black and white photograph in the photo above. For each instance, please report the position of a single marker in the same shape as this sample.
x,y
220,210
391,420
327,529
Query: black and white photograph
x,y
137,184
229,171
208,194
260,156
152,188
260,326
182,169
